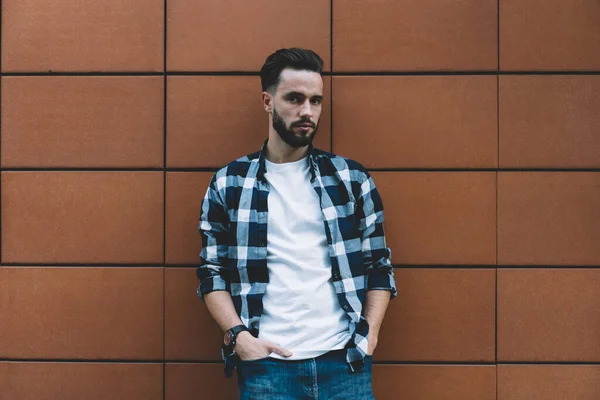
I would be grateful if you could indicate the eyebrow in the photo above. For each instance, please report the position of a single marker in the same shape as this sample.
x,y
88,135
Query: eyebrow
x,y
317,96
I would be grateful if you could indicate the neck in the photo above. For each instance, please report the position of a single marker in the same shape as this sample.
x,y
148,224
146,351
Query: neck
x,y
278,151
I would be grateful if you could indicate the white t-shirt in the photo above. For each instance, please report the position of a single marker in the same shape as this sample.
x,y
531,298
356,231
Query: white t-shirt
x,y
301,311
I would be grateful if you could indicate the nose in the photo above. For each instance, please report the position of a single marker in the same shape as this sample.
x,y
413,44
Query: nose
x,y
306,111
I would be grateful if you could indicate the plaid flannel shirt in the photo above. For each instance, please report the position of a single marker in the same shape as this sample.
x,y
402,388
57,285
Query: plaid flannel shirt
x,y
233,226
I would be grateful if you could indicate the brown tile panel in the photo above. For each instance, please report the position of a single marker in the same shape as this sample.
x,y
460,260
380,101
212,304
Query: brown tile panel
x,y
82,217
90,381
198,381
416,121
86,36
440,315
439,217
404,35
190,332
542,382
546,35
76,121
239,35
439,382
549,121
82,313
549,315
185,191
548,218
212,120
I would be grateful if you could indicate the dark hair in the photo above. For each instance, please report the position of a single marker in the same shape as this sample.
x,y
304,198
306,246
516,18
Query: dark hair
x,y
294,58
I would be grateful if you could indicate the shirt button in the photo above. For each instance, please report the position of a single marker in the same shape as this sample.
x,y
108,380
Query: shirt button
x,y
345,308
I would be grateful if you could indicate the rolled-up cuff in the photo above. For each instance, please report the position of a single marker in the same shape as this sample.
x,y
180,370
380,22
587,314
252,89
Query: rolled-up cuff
x,y
212,284
382,280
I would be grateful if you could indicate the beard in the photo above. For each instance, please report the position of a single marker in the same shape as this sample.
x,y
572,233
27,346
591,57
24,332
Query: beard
x,y
288,135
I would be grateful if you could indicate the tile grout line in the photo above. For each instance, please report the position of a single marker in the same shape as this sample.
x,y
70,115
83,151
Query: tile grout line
x,y
215,169
218,363
496,293
325,73
397,266
81,360
82,264
497,205
331,76
164,319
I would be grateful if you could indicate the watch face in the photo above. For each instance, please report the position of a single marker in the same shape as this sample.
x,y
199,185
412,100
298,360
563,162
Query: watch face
x,y
227,338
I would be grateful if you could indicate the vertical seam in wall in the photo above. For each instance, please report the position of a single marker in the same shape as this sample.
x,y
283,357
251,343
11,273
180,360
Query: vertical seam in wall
x,y
497,222
497,169
164,364
496,292
331,76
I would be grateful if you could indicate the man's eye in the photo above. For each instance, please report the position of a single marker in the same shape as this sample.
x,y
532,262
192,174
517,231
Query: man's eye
x,y
293,99
316,101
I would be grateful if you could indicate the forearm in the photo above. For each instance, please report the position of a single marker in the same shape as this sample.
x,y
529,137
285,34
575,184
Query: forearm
x,y
220,306
376,304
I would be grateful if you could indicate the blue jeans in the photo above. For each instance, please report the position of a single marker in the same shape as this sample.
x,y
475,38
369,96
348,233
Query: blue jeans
x,y
326,377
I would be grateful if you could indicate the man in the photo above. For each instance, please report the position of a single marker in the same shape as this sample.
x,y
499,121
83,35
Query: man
x,y
294,265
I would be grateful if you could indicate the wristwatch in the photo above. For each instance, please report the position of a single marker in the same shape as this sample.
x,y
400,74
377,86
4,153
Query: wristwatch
x,y
229,339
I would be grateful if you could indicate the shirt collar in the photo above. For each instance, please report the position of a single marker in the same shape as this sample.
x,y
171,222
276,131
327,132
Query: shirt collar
x,y
262,167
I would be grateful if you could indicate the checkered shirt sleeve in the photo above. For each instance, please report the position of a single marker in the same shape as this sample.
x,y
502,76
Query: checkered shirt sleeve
x,y
214,230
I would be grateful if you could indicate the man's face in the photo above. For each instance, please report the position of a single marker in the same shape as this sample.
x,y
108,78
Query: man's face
x,y
296,106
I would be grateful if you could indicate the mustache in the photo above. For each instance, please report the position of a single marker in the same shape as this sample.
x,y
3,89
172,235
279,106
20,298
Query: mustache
x,y
302,122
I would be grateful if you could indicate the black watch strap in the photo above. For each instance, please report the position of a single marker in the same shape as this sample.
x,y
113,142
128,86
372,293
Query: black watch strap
x,y
237,329
231,336
228,350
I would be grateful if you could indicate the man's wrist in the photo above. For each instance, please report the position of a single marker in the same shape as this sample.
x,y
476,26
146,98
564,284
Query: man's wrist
x,y
244,336
242,339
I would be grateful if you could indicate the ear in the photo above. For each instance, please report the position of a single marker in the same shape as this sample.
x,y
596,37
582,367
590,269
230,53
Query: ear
x,y
267,100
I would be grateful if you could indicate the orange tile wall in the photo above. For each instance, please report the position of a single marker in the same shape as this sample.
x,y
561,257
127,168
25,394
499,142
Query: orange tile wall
x,y
480,121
